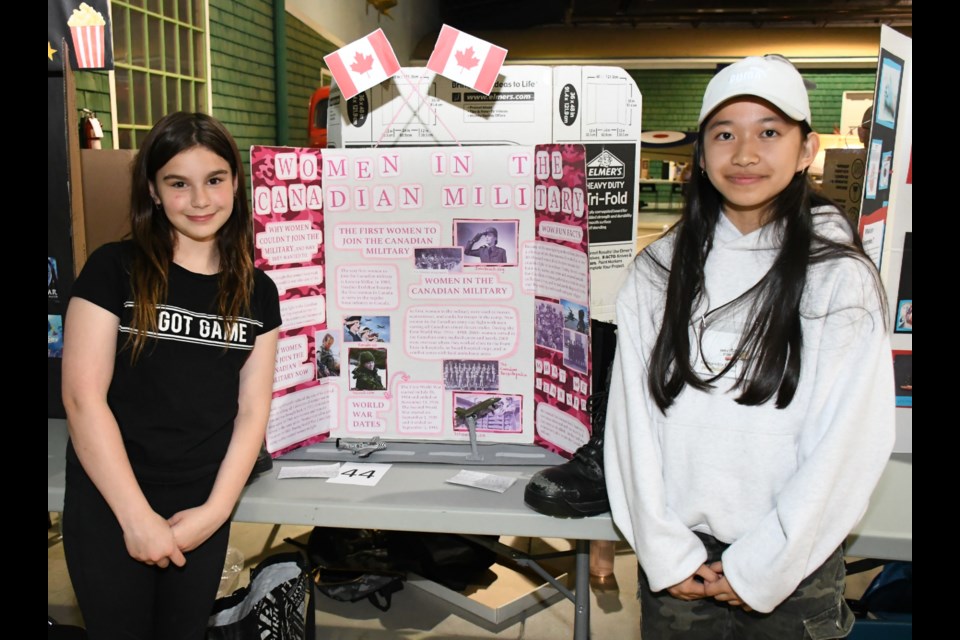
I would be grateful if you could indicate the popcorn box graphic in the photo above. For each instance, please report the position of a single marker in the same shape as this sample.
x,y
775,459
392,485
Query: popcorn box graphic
x,y
87,28
88,44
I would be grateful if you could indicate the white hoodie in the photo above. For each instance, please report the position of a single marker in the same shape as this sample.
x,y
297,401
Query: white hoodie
x,y
783,486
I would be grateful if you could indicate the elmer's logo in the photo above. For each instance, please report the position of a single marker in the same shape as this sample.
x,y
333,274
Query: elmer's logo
x,y
605,165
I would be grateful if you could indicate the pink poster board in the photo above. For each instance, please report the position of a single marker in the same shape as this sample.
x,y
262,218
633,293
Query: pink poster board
x,y
289,246
562,366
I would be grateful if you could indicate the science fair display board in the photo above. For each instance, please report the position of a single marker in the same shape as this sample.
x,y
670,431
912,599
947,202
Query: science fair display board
x,y
426,288
886,218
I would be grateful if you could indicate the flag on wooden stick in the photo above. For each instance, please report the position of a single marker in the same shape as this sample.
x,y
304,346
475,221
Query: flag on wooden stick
x,y
465,59
362,63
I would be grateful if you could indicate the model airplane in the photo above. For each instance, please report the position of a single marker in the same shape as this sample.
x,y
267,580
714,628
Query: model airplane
x,y
361,449
478,410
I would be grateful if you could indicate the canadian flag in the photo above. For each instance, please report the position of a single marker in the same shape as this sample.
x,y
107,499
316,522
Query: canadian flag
x,y
362,63
470,61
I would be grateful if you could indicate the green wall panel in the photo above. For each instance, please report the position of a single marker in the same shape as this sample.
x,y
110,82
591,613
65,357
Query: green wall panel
x,y
93,92
305,51
671,98
242,70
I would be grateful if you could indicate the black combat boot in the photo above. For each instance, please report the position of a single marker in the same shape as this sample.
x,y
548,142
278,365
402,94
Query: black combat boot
x,y
263,464
577,488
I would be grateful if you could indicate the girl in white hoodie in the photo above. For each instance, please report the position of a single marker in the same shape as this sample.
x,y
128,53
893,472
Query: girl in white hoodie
x,y
751,411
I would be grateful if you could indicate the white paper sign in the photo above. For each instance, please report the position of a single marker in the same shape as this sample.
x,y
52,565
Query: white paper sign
x,y
363,473
480,480
309,471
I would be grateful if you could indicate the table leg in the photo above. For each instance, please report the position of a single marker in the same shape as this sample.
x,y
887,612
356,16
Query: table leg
x,y
271,539
581,592
581,621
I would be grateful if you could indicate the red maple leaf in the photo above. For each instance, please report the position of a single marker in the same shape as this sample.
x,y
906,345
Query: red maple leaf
x,y
466,59
362,63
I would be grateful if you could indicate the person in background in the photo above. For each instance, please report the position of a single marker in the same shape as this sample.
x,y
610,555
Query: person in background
x,y
863,131
170,340
488,251
751,410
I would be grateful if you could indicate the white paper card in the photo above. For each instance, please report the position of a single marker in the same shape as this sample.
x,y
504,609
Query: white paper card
x,y
487,481
365,473
309,471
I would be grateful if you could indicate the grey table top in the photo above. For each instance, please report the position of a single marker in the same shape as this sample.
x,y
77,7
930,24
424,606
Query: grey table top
x,y
415,497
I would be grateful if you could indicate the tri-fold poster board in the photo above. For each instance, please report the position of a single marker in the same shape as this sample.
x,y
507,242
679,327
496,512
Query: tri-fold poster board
x,y
425,288
886,212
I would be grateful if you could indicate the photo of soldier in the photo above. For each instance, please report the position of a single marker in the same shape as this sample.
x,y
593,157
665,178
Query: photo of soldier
x,y
328,361
369,369
487,242
575,350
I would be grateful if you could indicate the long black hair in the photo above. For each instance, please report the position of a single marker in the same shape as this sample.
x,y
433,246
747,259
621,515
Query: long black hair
x,y
770,345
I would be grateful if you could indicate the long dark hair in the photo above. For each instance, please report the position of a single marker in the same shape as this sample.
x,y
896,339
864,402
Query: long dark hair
x,y
154,238
771,345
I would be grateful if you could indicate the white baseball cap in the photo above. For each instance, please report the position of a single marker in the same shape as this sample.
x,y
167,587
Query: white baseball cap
x,y
770,77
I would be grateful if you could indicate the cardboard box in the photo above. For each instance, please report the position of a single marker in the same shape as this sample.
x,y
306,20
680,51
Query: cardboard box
x,y
417,107
599,107
843,174
595,104
106,195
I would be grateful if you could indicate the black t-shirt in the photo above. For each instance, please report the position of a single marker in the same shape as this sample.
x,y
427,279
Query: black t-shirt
x,y
177,404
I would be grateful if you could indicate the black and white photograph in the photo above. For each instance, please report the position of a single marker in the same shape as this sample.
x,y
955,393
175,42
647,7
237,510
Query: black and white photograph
x,y
439,258
487,242
471,375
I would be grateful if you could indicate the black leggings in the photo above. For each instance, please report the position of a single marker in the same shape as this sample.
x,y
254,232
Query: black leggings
x,y
123,598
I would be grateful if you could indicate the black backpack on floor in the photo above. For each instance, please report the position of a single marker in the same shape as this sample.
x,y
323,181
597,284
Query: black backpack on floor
x,y
371,564
352,565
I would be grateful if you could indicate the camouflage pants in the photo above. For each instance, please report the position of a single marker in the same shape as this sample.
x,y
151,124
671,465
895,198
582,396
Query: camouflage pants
x,y
815,611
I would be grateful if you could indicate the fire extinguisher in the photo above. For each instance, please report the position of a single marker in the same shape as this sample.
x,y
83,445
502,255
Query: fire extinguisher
x,y
90,130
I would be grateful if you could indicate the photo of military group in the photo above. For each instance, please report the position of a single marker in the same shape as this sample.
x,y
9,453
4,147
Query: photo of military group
x,y
471,375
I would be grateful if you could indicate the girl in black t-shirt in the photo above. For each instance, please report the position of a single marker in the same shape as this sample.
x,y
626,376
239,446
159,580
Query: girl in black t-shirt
x,y
168,362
